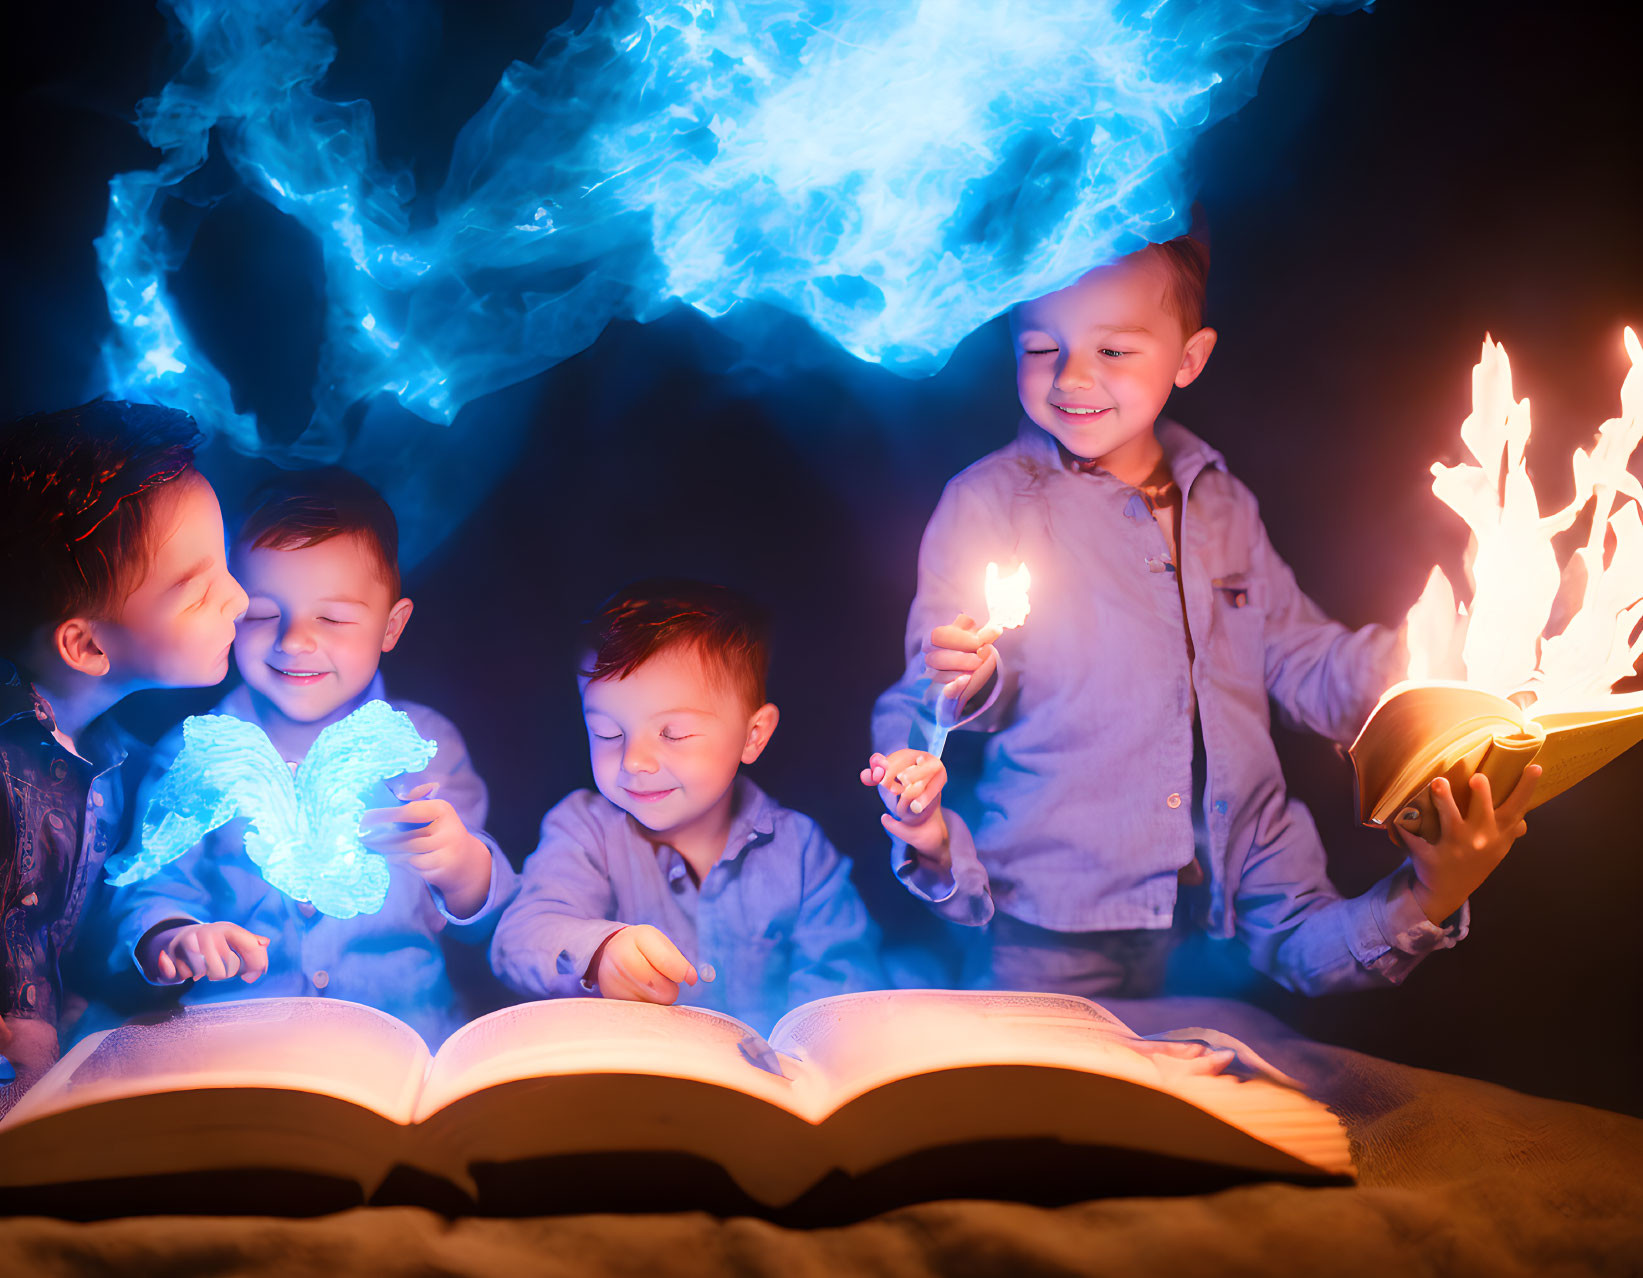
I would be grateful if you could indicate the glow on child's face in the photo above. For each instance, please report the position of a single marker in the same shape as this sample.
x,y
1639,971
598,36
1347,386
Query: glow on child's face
x,y
319,620
176,628
666,741
1095,361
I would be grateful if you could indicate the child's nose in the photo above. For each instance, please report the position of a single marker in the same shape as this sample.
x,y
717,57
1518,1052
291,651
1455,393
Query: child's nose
x,y
296,638
1076,372
635,760
237,602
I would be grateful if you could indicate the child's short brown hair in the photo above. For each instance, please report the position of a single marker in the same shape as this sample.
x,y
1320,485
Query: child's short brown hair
x,y
1186,261
728,630
306,507
78,491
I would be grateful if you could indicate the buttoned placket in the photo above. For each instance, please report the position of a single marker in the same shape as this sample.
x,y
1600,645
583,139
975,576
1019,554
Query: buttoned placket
x,y
1167,573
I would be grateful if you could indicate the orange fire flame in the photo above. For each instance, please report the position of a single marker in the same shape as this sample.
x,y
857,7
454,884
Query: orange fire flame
x,y
1499,643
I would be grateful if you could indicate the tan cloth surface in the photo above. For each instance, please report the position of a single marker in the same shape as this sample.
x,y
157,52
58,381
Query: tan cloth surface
x,y
1457,1177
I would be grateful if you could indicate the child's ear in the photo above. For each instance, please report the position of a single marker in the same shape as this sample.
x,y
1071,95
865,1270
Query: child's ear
x,y
1196,355
74,642
398,615
760,728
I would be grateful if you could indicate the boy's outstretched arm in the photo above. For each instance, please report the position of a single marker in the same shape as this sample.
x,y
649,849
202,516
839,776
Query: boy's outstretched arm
x,y
1323,676
1301,932
932,852
549,937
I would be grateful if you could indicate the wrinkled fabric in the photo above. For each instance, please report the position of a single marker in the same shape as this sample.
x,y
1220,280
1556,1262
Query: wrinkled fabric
x,y
776,920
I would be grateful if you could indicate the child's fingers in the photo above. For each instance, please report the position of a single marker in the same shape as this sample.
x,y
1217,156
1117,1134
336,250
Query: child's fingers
x,y
953,639
426,790
195,959
663,955
166,968
1523,794
215,968
1443,798
949,661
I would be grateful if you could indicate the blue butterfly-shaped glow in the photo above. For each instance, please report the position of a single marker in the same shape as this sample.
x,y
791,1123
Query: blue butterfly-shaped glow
x,y
302,831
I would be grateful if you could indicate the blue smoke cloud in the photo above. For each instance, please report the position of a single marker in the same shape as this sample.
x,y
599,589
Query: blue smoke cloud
x,y
894,174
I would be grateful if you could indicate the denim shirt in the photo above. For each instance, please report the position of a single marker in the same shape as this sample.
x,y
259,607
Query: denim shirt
x,y
62,815
392,960
775,923
1087,785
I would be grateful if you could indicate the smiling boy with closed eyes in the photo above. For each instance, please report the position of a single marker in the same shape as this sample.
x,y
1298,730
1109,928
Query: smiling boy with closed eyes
x,y
319,558
679,879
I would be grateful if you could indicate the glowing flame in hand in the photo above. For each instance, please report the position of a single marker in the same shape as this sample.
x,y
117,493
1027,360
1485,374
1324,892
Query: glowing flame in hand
x,y
1007,605
1517,577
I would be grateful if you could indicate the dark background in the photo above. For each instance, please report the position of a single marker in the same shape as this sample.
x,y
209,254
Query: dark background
x,y
1404,182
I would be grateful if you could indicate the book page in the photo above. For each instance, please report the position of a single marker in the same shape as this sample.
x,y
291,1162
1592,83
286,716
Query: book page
x,y
1419,731
858,1041
854,1043
1579,742
327,1046
597,1036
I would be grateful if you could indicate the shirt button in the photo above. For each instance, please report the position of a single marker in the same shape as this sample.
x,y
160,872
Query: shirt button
x,y
321,980
1174,800
97,798
706,972
42,716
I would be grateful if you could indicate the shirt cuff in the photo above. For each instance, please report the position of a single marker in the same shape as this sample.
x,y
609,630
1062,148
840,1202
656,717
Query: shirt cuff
x,y
1391,935
156,915
963,895
504,883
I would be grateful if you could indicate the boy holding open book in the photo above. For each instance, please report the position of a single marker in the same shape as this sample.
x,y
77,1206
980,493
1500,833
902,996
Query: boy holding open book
x,y
1130,777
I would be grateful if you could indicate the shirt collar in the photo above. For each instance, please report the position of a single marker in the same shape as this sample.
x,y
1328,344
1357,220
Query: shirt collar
x,y
19,697
103,743
1187,455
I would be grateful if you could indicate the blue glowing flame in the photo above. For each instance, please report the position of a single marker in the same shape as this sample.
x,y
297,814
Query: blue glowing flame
x,y
302,833
896,174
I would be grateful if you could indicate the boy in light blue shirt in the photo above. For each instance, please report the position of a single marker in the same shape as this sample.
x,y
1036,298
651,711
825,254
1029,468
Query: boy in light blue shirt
x,y
1129,771
679,880
318,557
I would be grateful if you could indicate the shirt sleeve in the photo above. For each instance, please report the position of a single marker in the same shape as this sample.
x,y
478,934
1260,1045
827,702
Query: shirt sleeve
x,y
13,965
176,891
563,911
463,788
965,894
964,534
1301,932
835,941
1323,676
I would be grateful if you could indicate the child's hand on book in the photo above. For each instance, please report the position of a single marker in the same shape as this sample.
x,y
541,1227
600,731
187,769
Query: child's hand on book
x,y
204,952
910,783
1470,846
427,837
640,964
961,656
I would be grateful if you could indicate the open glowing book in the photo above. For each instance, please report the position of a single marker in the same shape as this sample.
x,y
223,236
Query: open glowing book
x,y
1421,731
855,1103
